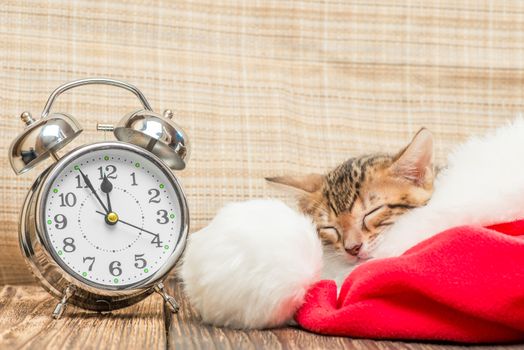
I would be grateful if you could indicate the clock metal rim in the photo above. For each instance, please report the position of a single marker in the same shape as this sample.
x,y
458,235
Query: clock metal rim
x,y
42,189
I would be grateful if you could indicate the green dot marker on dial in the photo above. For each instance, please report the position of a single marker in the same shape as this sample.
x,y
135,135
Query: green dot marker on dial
x,y
137,165
84,274
49,222
172,216
76,167
60,252
55,190
146,270
161,185
106,158
166,247
115,280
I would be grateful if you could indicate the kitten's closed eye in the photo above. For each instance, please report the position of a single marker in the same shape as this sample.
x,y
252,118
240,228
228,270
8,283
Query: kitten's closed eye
x,y
329,233
369,216
383,216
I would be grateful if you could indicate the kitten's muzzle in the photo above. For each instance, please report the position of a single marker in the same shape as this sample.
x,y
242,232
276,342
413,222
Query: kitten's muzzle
x,y
354,249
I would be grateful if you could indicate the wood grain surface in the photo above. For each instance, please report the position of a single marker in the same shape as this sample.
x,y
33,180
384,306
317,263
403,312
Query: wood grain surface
x,y
262,88
185,331
26,323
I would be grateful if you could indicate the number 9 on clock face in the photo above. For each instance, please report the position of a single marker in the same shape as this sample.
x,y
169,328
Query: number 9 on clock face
x,y
112,216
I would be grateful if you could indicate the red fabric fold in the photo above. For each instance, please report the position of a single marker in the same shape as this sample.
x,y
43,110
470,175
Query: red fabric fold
x,y
465,284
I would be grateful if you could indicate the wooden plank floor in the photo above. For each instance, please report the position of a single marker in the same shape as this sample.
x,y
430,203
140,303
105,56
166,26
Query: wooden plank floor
x,y
25,323
186,332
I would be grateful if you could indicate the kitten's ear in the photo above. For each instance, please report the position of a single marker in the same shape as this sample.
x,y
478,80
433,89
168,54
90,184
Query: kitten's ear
x,y
308,183
415,162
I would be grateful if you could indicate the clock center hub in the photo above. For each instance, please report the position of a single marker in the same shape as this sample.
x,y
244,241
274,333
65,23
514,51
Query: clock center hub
x,y
112,218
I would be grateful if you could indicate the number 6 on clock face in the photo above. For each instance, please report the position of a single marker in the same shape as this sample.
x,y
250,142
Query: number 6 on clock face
x,y
112,216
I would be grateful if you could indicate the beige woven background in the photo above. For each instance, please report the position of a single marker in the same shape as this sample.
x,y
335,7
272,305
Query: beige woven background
x,y
262,87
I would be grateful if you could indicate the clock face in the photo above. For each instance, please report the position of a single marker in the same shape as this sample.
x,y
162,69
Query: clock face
x,y
113,216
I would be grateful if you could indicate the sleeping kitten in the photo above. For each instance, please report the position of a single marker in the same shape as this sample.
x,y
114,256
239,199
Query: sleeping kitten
x,y
354,203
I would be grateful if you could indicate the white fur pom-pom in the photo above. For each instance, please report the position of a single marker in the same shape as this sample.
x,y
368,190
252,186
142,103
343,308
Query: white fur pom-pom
x,y
252,265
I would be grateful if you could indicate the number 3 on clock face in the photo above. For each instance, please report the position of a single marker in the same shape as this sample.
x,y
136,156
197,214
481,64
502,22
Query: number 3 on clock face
x,y
112,217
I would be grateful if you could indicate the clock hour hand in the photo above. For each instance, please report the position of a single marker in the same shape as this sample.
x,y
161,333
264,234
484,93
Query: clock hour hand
x,y
106,186
134,226
90,185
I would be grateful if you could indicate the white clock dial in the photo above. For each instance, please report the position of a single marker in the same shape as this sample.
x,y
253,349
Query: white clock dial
x,y
122,232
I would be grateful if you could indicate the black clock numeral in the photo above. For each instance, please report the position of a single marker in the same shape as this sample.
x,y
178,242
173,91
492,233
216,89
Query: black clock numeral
x,y
157,241
155,194
80,181
69,245
134,180
67,200
163,219
92,258
110,172
140,262
61,221
114,268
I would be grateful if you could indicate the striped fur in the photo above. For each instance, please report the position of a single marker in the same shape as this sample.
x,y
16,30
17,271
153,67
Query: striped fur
x,y
355,202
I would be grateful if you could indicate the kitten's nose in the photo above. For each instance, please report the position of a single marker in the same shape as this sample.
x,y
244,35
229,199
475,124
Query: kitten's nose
x,y
354,250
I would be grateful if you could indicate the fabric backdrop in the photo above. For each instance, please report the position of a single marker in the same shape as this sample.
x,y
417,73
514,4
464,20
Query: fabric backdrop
x,y
262,87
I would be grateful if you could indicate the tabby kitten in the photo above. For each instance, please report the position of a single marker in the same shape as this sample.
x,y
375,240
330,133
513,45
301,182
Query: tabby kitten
x,y
354,203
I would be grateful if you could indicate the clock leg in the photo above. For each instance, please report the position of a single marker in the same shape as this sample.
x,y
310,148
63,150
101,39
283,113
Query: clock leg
x,y
169,300
60,307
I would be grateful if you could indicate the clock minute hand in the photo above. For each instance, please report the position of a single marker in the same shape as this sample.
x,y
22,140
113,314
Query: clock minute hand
x,y
134,226
90,185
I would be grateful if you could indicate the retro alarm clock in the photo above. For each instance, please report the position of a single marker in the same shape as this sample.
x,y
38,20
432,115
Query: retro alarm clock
x,y
104,224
